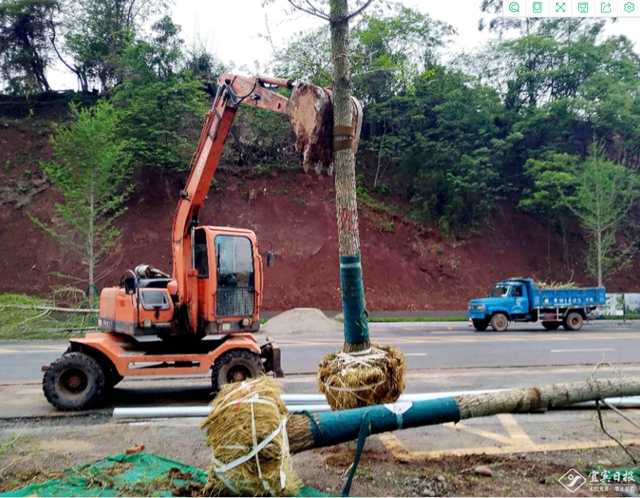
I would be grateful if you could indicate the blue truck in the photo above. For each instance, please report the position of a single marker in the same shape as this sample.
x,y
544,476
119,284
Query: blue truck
x,y
519,300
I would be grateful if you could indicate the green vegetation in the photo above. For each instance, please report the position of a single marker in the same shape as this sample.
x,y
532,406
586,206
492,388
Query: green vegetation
x,y
26,318
91,170
539,117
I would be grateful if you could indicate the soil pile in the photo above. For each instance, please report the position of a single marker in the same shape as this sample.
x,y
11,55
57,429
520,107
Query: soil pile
x,y
301,321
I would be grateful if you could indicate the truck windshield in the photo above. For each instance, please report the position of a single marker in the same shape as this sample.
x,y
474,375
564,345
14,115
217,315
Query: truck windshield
x,y
500,291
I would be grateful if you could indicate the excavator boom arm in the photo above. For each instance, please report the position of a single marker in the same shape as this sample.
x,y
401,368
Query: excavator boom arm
x,y
232,91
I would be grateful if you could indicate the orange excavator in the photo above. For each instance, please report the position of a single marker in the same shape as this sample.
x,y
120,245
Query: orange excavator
x,y
201,318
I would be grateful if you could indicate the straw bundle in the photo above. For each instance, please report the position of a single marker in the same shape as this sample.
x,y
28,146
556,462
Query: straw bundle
x,y
369,378
250,450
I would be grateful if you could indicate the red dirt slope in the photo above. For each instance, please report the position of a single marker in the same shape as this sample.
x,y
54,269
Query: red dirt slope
x,y
405,269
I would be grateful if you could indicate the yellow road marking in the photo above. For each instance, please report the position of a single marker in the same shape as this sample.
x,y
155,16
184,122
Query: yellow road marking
x,y
395,446
458,339
518,436
480,432
500,450
518,441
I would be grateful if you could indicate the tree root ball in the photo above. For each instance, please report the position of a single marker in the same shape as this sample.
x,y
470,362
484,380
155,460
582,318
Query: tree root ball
x,y
356,380
247,433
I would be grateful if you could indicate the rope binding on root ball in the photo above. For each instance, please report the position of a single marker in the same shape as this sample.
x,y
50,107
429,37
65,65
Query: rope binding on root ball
x,y
247,432
354,380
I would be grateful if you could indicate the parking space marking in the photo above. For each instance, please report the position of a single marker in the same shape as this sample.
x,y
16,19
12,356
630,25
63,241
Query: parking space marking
x,y
480,432
518,441
517,433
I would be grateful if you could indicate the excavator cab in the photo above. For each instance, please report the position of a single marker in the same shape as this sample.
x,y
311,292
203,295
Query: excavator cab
x,y
229,280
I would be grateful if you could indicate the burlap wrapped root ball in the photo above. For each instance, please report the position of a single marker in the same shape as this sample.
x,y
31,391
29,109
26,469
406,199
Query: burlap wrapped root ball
x,y
246,430
357,380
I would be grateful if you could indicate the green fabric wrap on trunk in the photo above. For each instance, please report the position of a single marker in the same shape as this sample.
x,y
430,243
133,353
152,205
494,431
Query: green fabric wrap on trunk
x,y
356,326
342,426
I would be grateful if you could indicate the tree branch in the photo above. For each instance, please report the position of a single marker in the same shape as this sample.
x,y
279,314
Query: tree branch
x,y
315,12
350,16
610,436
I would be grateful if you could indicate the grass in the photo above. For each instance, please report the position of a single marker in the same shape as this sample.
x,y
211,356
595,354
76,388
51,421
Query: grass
x,y
19,324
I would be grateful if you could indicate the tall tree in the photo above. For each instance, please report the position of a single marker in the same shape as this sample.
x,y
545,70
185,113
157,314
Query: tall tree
x,y
356,328
91,168
97,33
26,27
605,194
162,102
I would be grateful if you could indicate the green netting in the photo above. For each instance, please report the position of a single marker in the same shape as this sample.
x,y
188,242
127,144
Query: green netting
x,y
141,474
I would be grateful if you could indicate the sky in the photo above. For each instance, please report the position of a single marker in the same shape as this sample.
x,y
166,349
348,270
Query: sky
x,y
231,28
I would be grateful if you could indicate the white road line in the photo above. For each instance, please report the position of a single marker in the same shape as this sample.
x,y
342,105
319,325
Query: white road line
x,y
415,354
581,350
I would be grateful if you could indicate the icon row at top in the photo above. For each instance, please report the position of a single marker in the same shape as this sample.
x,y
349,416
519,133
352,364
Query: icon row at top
x,y
571,8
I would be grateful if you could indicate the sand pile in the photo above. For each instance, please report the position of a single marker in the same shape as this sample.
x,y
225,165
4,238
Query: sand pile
x,y
301,321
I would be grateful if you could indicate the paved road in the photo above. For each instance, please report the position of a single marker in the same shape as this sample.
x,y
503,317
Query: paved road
x,y
426,346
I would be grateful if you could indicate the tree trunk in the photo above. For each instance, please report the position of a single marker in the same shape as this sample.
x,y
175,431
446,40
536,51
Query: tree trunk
x,y
331,428
600,258
356,329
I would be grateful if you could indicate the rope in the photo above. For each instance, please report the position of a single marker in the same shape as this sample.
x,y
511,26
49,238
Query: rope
x,y
351,361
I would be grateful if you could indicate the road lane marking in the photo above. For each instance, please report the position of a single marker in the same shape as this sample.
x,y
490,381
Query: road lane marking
x,y
41,350
517,442
395,447
415,354
598,350
517,434
501,450
479,432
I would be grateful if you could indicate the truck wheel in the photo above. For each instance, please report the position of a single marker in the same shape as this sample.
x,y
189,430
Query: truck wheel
x,y
573,321
551,325
74,381
480,325
499,322
235,366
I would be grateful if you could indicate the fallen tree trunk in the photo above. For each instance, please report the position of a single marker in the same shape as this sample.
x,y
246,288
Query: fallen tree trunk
x,y
47,308
318,430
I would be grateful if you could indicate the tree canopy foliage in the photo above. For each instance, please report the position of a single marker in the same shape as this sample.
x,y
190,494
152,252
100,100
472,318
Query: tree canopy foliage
x,y
451,136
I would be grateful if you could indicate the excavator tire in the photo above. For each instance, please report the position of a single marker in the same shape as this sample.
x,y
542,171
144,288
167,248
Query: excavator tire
x,y
235,366
74,381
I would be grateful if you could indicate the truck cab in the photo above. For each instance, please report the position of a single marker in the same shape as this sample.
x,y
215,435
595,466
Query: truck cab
x,y
509,300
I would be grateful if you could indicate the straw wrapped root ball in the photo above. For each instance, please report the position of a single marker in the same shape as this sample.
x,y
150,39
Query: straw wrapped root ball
x,y
246,430
356,380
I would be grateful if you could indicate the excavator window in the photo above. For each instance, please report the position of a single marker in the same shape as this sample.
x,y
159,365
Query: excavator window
x,y
234,257
235,295
201,257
